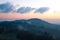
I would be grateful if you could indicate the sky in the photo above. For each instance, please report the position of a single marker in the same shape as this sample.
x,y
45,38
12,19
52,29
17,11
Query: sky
x,y
48,10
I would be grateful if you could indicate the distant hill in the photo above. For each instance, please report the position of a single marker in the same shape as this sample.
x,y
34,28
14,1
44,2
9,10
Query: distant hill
x,y
34,25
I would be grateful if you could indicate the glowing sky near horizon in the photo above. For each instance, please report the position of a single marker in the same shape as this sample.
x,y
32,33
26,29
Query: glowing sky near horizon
x,y
51,14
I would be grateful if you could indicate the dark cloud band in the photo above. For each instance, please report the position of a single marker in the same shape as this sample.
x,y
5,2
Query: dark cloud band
x,y
6,7
24,9
42,10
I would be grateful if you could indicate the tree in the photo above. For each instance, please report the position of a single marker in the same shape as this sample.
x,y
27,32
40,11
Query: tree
x,y
25,35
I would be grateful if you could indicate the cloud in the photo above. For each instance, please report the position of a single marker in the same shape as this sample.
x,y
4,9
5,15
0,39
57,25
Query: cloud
x,y
6,7
24,9
42,10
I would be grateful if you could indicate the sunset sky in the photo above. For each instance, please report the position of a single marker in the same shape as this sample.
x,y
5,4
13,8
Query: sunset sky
x,y
48,10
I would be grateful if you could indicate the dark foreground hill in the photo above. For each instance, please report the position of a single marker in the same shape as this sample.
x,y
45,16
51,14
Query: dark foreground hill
x,y
31,29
